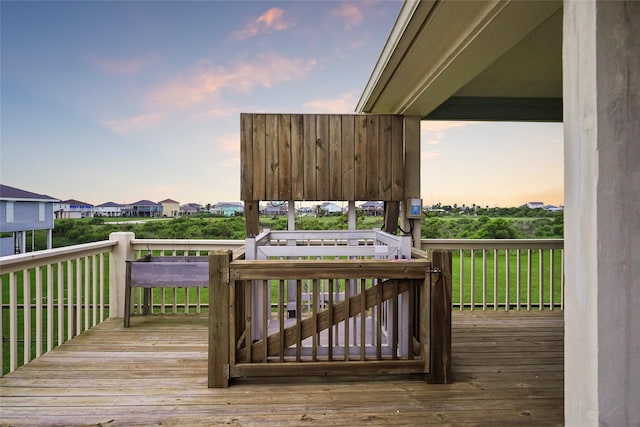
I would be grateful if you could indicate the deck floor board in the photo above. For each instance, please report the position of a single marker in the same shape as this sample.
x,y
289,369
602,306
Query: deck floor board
x,y
507,370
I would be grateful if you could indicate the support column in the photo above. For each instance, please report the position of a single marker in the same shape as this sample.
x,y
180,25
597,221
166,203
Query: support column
x,y
601,84
118,271
411,174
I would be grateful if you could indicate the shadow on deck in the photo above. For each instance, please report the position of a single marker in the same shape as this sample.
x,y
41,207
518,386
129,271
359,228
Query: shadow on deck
x,y
507,370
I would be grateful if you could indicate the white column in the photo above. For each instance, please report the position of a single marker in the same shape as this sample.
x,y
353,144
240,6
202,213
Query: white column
x,y
117,271
601,83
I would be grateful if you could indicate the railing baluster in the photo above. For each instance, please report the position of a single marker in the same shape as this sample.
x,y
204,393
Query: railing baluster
x,y
39,285
26,298
551,281
13,322
363,319
507,281
562,280
78,305
282,307
473,280
87,283
529,280
347,314
101,272
266,314
461,279
518,283
94,287
70,319
484,279
49,307
541,279
495,279
60,303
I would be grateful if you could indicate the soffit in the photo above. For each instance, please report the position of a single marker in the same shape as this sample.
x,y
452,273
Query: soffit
x,y
441,50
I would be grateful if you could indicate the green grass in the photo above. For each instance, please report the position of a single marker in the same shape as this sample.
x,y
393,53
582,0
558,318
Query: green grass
x,y
515,293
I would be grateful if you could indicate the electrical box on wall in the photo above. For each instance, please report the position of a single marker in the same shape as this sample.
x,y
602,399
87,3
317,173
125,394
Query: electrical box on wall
x,y
414,208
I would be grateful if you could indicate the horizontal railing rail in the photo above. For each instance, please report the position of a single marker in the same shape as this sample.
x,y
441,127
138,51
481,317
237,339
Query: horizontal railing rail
x,y
50,296
505,274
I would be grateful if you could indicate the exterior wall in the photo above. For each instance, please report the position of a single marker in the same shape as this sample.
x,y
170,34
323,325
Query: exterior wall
x,y
26,216
170,209
602,227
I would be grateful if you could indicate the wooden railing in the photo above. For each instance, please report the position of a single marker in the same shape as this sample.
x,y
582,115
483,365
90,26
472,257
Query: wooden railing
x,y
509,274
52,296
346,315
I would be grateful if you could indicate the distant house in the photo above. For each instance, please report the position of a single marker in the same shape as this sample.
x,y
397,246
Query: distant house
x,y
535,205
552,208
73,209
328,208
22,211
372,208
110,209
275,208
144,209
190,209
228,208
170,208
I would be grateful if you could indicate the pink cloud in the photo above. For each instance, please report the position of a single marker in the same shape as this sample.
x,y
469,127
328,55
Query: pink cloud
x,y
431,132
207,82
270,21
350,13
342,104
230,142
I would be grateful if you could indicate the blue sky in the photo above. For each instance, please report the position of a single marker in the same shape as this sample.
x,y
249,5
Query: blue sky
x,y
122,101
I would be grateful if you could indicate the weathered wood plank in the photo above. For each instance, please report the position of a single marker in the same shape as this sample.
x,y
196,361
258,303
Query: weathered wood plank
x,y
335,158
322,157
385,158
397,159
246,156
440,372
373,153
259,157
297,158
309,156
272,161
348,141
361,158
284,157
218,348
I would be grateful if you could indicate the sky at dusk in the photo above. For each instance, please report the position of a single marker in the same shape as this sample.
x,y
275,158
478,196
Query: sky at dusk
x,y
122,101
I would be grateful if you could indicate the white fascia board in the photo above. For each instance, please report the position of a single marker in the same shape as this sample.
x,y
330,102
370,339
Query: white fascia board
x,y
397,32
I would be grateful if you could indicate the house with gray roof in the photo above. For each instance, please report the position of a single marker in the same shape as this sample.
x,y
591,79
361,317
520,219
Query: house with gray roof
x,y
22,212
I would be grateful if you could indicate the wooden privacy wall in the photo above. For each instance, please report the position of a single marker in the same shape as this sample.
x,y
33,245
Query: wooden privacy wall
x,y
321,157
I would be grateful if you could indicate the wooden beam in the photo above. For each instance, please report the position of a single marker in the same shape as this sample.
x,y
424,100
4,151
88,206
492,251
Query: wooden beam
x,y
252,217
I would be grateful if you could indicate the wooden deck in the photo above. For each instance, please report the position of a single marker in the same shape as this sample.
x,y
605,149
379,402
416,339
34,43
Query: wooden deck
x,y
507,370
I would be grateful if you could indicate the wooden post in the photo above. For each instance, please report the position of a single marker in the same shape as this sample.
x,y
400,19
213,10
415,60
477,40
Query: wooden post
x,y
219,310
440,372
252,217
391,213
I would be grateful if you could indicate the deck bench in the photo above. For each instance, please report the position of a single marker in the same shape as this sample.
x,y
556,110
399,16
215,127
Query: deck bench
x,y
163,272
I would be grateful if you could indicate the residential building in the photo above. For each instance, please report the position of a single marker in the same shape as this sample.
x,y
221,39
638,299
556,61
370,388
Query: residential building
x,y
535,205
228,208
109,209
73,209
372,208
143,209
328,208
170,208
190,209
21,212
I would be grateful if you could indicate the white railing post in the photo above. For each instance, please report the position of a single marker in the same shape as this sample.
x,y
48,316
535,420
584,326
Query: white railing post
x,y
117,271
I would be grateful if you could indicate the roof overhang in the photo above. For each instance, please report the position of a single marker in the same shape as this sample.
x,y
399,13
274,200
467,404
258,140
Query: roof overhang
x,y
471,60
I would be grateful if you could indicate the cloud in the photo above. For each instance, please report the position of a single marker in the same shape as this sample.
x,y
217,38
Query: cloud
x,y
128,66
205,82
342,104
230,142
139,122
431,132
270,21
350,13
427,154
